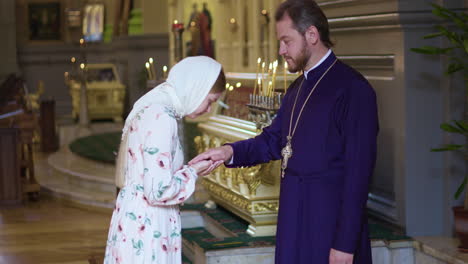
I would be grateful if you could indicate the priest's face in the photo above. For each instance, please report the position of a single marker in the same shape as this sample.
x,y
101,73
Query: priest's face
x,y
293,45
205,106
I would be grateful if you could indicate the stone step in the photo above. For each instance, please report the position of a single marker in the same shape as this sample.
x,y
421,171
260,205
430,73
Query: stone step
x,y
215,236
83,182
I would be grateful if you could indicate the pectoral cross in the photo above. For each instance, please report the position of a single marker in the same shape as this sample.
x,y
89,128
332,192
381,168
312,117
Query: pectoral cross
x,y
286,152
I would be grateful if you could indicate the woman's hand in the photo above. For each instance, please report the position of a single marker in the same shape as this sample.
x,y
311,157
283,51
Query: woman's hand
x,y
202,167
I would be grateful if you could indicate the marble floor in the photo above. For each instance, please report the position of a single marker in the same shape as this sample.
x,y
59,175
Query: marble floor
x,y
51,231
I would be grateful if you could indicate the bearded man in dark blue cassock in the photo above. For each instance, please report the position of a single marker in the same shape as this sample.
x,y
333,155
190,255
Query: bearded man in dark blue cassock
x,y
325,133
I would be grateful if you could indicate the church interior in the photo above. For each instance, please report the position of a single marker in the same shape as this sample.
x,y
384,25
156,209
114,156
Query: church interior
x,y
72,69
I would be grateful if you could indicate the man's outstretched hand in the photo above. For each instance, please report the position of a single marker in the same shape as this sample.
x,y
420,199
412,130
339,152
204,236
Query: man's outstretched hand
x,y
217,155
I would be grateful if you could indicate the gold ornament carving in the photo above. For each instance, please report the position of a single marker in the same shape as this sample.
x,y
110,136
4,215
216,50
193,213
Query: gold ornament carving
x,y
266,207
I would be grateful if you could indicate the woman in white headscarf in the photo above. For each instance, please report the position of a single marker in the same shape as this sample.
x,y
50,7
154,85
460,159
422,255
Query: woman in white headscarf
x,y
145,225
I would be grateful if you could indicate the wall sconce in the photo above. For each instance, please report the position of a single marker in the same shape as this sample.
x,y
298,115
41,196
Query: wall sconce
x,y
266,17
233,24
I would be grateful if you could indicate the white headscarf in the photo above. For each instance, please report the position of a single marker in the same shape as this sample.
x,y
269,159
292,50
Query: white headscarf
x,y
187,85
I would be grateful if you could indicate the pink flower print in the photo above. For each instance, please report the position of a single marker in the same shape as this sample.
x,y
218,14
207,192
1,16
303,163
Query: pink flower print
x,y
141,149
119,226
175,245
165,244
185,177
134,126
116,255
132,155
157,116
163,160
146,200
148,134
181,199
141,230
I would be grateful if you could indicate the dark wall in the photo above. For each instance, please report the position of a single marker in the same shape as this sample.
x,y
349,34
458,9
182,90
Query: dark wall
x,y
129,54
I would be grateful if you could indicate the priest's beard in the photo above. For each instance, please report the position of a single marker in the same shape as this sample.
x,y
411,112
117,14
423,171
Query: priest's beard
x,y
300,62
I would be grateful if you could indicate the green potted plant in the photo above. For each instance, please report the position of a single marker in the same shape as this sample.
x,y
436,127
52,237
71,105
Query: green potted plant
x,y
457,52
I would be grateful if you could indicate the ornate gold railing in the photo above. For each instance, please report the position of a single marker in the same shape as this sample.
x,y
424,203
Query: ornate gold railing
x,y
250,192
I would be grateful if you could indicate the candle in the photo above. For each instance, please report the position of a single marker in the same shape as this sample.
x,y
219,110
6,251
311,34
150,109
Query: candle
x,y
165,72
259,83
275,66
147,65
153,71
259,61
82,74
270,86
177,26
263,73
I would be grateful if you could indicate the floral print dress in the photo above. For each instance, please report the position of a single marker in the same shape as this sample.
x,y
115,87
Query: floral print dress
x,y
145,225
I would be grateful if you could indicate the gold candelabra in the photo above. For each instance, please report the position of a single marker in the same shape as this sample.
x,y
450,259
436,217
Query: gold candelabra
x,y
265,101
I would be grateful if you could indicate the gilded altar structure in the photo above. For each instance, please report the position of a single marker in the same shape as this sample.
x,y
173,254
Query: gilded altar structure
x,y
105,92
251,192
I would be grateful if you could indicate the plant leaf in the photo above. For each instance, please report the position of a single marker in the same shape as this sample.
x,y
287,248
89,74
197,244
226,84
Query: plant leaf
x,y
450,128
460,22
433,35
465,44
462,125
439,11
431,50
461,187
449,147
444,12
454,67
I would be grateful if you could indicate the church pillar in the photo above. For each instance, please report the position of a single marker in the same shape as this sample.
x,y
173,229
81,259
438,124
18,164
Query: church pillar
x,y
8,44
411,186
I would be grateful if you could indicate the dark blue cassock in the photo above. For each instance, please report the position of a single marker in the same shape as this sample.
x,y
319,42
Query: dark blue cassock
x,y
324,192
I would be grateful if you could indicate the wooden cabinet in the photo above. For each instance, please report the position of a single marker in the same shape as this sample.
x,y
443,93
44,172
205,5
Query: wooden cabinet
x,y
10,158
